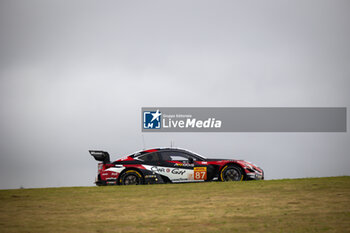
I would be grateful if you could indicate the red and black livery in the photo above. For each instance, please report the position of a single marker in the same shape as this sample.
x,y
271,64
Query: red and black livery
x,y
170,165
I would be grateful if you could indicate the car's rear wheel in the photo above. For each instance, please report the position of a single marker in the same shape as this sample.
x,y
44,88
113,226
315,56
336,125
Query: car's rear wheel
x,y
231,173
131,177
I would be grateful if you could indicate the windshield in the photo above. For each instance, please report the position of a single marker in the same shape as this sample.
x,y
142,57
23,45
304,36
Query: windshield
x,y
196,155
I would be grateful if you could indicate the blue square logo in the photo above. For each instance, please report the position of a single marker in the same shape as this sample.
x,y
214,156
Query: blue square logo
x,y
152,119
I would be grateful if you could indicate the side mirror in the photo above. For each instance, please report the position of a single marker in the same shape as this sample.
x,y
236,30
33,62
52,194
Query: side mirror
x,y
190,160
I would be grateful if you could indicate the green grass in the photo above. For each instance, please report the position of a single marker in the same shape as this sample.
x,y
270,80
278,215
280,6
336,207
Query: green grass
x,y
295,205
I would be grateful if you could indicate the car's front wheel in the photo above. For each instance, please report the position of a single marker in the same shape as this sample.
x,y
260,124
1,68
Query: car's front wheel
x,y
131,177
231,173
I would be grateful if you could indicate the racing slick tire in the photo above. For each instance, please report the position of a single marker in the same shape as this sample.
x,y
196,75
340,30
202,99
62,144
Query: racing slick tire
x,y
231,173
131,177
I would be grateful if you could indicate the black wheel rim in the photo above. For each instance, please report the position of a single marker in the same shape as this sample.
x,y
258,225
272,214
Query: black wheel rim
x,y
130,180
232,174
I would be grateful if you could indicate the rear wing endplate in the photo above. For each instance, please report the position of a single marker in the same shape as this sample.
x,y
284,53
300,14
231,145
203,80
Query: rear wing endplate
x,y
99,155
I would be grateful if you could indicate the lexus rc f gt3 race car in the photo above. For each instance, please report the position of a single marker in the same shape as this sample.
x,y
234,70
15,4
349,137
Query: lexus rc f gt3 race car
x,y
170,165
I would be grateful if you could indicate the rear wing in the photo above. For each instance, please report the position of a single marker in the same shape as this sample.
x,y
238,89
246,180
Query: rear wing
x,y
99,155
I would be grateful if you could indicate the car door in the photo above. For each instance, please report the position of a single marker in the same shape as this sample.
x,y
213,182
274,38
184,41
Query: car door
x,y
181,166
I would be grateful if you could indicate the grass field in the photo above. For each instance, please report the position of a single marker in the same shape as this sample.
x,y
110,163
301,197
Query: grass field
x,y
298,205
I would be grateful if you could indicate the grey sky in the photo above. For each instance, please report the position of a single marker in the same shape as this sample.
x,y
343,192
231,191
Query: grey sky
x,y
74,76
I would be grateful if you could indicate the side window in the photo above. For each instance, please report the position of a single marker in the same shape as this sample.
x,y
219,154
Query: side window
x,y
174,156
150,157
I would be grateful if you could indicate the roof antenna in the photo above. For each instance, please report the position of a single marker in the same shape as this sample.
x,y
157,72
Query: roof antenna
x,y
171,143
143,142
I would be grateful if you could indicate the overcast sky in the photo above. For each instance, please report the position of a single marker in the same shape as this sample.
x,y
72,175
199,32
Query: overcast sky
x,y
75,74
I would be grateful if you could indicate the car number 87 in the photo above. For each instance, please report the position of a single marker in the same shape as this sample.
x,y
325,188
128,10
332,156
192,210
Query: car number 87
x,y
200,173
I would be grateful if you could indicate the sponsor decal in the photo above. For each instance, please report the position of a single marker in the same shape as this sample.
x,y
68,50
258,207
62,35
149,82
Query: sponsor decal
x,y
111,182
183,165
178,171
175,171
96,153
157,169
179,179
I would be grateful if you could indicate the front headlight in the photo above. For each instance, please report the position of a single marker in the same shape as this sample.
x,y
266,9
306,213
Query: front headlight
x,y
247,165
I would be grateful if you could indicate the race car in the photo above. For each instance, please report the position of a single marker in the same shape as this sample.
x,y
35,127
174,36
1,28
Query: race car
x,y
170,165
